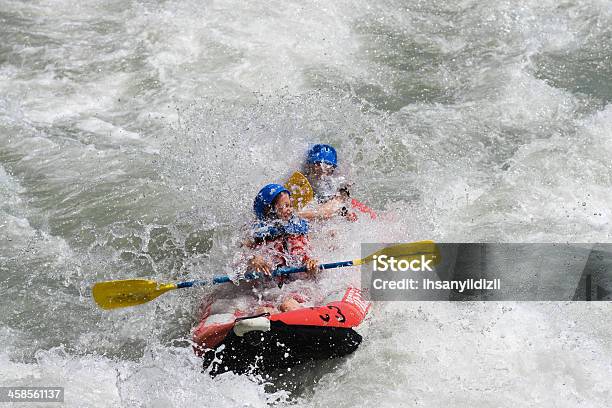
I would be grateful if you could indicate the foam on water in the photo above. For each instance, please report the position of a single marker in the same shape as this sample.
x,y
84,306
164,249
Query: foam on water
x,y
134,136
489,355
162,377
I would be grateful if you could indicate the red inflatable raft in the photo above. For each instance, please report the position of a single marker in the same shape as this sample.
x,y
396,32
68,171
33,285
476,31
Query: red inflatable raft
x,y
263,343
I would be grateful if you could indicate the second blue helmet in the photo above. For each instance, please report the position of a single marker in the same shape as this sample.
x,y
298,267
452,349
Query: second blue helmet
x,y
322,153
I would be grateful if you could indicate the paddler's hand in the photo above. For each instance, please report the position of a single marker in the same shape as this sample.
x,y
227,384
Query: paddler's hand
x,y
312,267
258,264
351,216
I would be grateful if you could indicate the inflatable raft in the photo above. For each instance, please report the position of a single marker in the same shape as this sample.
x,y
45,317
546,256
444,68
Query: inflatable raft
x,y
263,343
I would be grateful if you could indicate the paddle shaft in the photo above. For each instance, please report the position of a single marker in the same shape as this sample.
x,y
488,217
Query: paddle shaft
x,y
131,292
256,275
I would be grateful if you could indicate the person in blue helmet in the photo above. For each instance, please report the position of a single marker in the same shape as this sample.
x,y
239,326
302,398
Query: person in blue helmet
x,y
279,237
331,192
321,162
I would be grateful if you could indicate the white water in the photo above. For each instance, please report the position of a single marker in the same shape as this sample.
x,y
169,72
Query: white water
x,y
134,135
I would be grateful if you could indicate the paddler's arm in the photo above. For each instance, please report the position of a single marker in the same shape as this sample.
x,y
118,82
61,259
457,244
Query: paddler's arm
x,y
310,215
323,212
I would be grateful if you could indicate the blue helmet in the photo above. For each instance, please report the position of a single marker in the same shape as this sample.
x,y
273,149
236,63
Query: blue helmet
x,y
322,153
265,197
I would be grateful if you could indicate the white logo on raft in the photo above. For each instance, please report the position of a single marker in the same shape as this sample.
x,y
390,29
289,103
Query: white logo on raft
x,y
383,263
353,296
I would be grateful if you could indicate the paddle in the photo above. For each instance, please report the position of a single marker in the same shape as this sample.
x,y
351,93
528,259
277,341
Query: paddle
x,y
132,292
301,191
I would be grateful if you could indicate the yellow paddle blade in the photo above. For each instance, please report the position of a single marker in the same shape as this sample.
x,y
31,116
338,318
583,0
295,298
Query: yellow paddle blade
x,y
301,191
124,293
409,251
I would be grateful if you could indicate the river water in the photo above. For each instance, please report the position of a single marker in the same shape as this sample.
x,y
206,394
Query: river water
x,y
135,134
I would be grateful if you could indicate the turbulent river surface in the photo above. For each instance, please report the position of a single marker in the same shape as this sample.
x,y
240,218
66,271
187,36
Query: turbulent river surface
x,y
134,136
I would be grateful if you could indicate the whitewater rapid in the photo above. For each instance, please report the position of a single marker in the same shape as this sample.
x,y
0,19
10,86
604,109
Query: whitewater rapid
x,y
134,136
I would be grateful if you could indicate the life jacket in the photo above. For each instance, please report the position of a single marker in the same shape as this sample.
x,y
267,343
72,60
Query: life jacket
x,y
275,229
285,242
